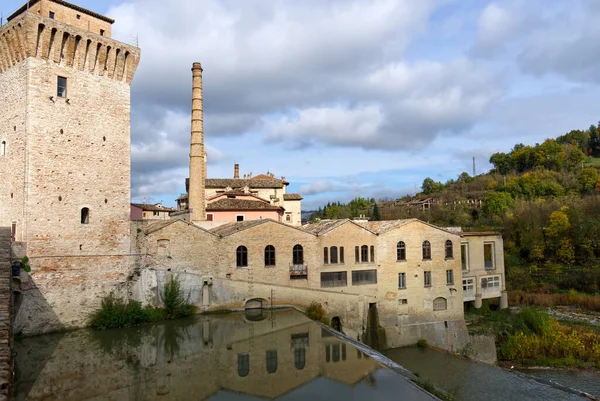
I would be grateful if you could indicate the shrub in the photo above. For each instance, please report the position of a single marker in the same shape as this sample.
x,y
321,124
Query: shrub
x,y
316,312
175,304
422,343
115,313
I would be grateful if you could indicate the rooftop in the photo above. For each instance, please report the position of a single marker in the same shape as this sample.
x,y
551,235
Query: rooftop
x,y
236,183
241,204
153,208
290,197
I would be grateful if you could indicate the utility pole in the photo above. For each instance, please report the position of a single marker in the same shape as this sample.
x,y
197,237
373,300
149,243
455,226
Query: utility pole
x,y
474,172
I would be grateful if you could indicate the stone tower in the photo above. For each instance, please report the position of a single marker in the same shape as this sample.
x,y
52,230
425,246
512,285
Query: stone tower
x,y
197,205
65,130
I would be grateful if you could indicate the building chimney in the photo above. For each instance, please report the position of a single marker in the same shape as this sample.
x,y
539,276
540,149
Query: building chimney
x,y
236,171
196,205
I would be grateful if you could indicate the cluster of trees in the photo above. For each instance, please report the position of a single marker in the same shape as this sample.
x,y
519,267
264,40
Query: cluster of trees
x,y
355,208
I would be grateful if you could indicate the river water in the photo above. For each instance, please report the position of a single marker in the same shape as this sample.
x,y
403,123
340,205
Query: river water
x,y
264,355
467,380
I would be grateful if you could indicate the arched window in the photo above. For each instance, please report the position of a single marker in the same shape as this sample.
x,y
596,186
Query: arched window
x,y
333,253
271,361
372,254
364,254
325,256
299,357
85,215
426,250
3,148
449,250
341,254
401,251
440,304
298,255
269,255
241,256
243,364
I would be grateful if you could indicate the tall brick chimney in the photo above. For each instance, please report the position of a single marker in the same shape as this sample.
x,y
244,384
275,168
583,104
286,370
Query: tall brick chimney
x,y
196,194
236,171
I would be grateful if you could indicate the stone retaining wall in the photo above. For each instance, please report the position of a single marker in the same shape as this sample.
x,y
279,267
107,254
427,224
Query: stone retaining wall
x,y
6,311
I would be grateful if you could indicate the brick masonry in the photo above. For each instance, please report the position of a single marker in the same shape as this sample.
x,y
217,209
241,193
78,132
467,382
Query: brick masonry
x,y
6,313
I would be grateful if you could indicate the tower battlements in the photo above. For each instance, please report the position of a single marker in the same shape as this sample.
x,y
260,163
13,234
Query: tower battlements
x,y
33,35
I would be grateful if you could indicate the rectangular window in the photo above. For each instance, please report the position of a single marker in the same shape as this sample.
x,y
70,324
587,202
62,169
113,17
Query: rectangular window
x,y
464,256
468,285
210,216
363,277
490,283
372,254
402,301
78,16
239,217
356,255
325,256
449,277
51,14
101,32
155,213
427,279
334,279
333,254
61,87
364,254
401,281
488,255
341,254
13,231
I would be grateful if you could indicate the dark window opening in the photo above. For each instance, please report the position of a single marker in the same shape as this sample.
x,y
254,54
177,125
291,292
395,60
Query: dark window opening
x,y
449,277
334,279
372,254
299,357
269,255
449,250
426,250
271,361
362,277
101,32
243,364
51,14
333,254
78,16
427,278
401,251
241,254
209,217
356,255
364,254
239,217
325,256
13,232
85,215
401,280
61,87
298,255
341,254
3,148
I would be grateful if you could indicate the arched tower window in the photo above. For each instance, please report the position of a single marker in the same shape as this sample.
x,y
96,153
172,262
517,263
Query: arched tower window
x,y
243,364
426,250
269,255
298,255
401,251
449,250
3,148
364,254
241,256
85,215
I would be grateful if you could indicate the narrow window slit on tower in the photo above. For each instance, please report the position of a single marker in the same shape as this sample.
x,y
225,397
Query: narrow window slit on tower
x,y
61,89
85,215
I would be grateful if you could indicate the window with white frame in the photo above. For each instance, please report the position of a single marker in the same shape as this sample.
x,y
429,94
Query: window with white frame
x,y
490,283
427,278
488,255
468,285
449,277
401,281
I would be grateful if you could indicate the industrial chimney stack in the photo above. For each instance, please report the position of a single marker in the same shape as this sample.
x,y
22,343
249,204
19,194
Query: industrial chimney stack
x,y
236,171
196,194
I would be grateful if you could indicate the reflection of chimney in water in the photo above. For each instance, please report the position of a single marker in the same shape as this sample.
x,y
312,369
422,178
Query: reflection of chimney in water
x,y
236,171
197,154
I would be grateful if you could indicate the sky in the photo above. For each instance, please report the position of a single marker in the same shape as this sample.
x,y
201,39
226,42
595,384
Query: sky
x,y
351,98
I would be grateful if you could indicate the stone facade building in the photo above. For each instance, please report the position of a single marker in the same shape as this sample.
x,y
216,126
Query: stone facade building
x,y
64,137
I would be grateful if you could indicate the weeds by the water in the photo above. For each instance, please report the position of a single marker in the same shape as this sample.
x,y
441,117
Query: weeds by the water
x,y
422,343
532,337
116,313
316,312
572,298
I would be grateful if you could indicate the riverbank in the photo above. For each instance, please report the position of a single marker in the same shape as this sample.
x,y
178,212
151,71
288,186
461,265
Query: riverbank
x,y
532,337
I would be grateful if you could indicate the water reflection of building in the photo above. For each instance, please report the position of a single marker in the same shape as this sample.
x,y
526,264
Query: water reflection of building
x,y
192,360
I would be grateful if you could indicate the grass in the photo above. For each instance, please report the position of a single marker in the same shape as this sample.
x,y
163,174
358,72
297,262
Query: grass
x,y
589,302
117,313
592,162
532,337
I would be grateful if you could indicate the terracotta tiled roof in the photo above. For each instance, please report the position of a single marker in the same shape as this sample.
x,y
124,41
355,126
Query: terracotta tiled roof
x,y
153,208
379,227
241,204
62,3
324,226
241,183
290,197
236,226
